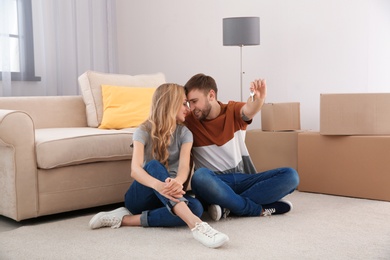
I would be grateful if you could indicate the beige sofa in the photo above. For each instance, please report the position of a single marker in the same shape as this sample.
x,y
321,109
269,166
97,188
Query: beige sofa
x,y
53,156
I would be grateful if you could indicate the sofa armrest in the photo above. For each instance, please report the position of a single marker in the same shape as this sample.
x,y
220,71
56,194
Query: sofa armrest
x,y
18,168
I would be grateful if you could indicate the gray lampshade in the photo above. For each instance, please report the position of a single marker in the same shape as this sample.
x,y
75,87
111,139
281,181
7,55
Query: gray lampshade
x,y
241,31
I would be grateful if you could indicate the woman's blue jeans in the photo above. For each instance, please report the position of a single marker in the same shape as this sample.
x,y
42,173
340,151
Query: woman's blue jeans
x,y
243,194
155,209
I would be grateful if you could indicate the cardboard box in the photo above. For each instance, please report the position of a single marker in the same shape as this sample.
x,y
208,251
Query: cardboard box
x,y
270,150
281,116
354,166
355,114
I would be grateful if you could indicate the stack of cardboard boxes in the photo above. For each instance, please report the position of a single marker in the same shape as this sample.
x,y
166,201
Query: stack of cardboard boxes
x,y
350,156
275,145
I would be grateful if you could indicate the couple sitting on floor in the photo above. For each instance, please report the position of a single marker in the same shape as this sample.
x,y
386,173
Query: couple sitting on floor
x,y
190,119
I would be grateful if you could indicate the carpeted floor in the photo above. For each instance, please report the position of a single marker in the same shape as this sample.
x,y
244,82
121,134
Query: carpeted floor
x,y
319,227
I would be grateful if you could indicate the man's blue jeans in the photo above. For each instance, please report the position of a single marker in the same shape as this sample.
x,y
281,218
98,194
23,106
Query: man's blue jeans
x,y
243,194
155,209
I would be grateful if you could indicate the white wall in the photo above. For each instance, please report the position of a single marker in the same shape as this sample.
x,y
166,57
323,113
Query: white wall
x,y
307,47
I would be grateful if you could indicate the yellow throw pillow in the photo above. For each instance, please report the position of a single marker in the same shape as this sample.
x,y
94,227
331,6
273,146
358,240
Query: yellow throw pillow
x,y
125,107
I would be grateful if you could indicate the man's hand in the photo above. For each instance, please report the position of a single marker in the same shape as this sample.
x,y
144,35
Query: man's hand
x,y
256,101
259,88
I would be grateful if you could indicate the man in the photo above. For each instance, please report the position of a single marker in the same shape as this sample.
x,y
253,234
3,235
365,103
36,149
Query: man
x,y
225,178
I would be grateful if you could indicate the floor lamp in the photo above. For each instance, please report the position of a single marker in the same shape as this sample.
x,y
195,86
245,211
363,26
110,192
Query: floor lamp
x,y
241,31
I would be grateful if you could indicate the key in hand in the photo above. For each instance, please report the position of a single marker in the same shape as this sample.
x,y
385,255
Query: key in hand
x,y
252,93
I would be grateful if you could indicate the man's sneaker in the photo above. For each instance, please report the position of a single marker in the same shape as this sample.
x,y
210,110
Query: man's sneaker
x,y
279,207
216,212
111,219
208,236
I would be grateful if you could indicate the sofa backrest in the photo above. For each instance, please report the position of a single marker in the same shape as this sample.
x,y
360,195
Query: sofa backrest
x,y
49,111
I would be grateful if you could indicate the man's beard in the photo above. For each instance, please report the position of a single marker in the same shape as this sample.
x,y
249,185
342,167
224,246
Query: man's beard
x,y
204,113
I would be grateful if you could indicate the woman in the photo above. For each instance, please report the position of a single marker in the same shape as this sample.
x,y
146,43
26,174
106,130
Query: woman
x,y
160,166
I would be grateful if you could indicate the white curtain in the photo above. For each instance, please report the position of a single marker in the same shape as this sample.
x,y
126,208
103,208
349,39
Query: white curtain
x,y
70,37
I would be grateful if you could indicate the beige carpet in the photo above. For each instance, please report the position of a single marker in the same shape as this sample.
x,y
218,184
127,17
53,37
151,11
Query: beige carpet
x,y
319,227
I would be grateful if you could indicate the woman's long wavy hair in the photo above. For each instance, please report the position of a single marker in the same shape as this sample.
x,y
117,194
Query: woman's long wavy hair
x,y
161,122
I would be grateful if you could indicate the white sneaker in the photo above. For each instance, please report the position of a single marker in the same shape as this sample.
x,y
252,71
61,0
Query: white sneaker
x,y
216,212
111,219
208,236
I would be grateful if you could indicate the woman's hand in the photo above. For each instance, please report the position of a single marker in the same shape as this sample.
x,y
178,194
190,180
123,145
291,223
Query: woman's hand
x,y
174,188
171,189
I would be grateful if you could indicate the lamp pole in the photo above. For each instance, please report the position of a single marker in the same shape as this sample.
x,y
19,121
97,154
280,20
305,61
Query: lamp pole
x,y
241,72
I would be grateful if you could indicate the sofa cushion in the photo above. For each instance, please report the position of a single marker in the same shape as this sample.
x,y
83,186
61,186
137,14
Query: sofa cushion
x,y
57,147
90,84
125,106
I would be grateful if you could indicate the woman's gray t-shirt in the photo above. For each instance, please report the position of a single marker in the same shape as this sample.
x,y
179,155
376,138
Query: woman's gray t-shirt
x,y
181,135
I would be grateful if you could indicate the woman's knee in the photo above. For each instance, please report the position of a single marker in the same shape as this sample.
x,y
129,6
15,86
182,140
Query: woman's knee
x,y
152,165
156,169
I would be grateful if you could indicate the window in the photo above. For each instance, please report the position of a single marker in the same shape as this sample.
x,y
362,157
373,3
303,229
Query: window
x,y
17,45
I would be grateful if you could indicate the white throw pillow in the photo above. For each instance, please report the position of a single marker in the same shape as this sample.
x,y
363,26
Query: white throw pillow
x,y
91,89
